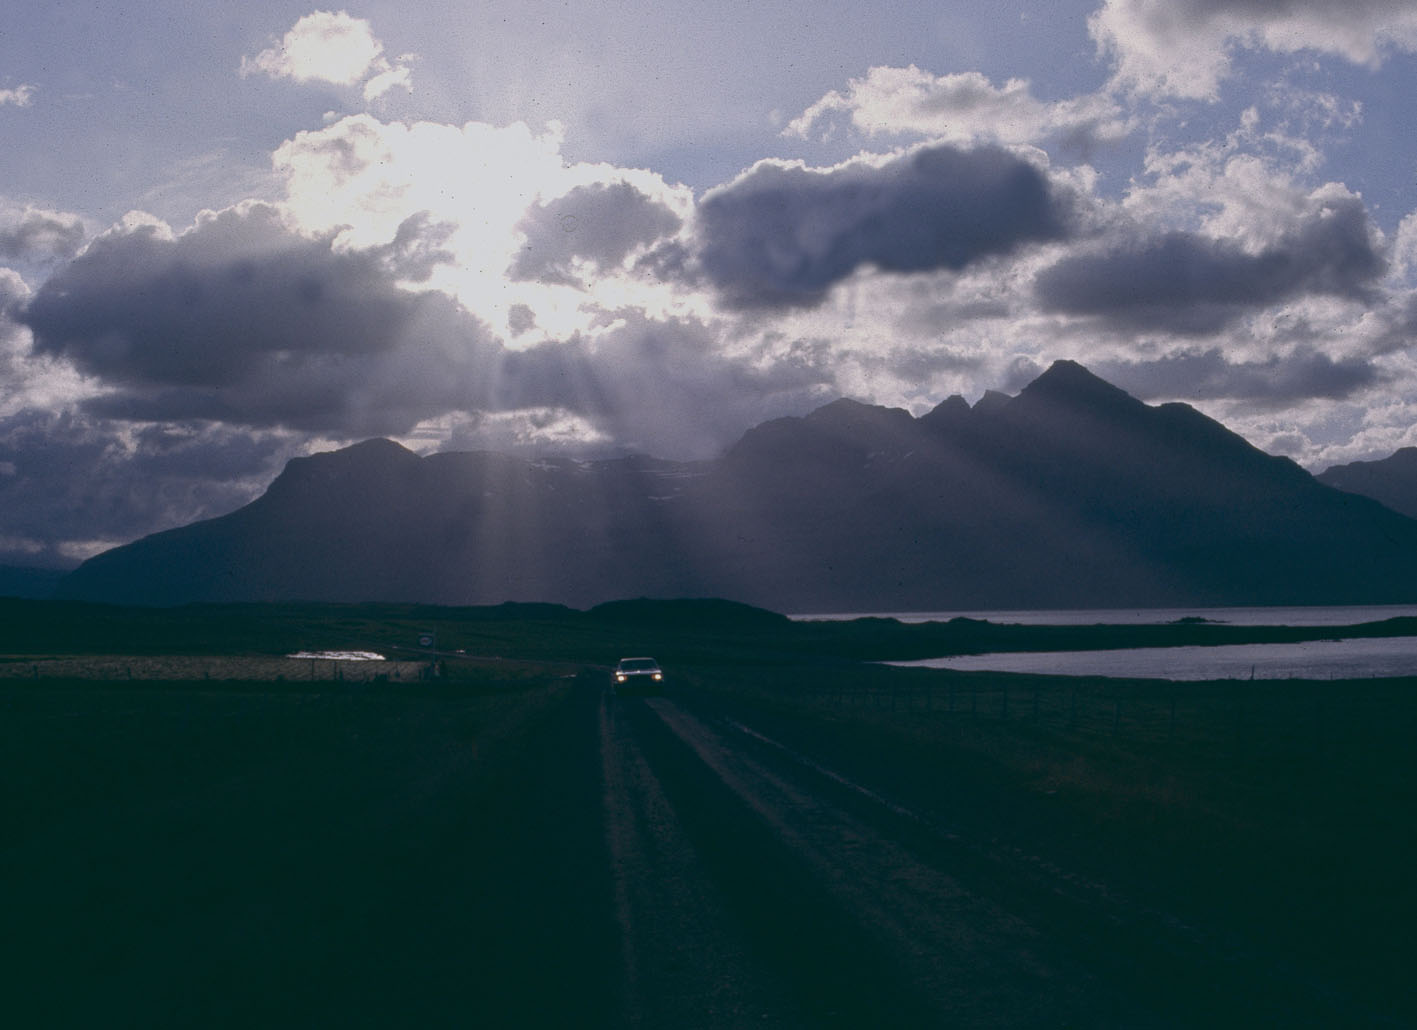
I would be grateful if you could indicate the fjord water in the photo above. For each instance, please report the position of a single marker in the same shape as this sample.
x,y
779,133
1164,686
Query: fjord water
x,y
1310,660
1312,615
1338,658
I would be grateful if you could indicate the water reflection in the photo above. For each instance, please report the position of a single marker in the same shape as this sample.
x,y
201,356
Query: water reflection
x,y
1314,659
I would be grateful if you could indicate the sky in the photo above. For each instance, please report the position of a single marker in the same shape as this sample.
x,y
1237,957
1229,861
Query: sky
x,y
235,234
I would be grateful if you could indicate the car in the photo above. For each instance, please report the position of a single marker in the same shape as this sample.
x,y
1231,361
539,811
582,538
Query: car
x,y
638,674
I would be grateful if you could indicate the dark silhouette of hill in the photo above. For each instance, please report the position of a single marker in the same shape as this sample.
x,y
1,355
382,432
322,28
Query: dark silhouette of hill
x,y
1071,494
28,582
1392,480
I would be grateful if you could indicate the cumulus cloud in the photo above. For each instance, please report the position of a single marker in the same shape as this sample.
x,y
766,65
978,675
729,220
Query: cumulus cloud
x,y
601,223
244,321
388,77
332,47
782,235
36,234
18,96
1190,283
963,108
13,295
1183,48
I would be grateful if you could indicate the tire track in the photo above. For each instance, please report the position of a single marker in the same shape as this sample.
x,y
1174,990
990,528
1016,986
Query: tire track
x,y
856,929
685,959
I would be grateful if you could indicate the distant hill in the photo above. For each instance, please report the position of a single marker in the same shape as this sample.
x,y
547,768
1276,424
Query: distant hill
x,y
1071,494
1393,480
24,581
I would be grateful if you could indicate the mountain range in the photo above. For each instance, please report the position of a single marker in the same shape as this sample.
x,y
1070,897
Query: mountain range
x,y
1070,494
1392,480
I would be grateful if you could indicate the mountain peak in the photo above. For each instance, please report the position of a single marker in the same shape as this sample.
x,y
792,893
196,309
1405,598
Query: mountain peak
x,y
1068,383
951,411
1069,376
849,413
373,459
992,401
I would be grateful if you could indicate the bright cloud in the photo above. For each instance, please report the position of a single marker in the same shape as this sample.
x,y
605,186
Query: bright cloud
x,y
331,47
1185,48
964,107
29,233
483,192
19,96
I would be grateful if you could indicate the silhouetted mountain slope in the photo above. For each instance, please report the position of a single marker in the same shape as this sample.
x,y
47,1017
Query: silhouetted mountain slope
x,y
1392,480
1073,493
26,581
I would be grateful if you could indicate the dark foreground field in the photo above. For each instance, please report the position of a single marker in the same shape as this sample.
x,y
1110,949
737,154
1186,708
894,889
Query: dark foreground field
x,y
778,840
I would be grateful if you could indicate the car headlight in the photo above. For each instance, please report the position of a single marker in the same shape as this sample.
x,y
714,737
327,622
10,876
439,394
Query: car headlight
x,y
619,677
659,675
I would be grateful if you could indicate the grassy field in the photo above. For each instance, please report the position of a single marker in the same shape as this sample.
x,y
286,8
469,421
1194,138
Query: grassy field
x,y
225,848
256,854
1280,813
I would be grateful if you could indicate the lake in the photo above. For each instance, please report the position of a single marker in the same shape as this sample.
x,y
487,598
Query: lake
x,y
1336,615
1318,659
1313,659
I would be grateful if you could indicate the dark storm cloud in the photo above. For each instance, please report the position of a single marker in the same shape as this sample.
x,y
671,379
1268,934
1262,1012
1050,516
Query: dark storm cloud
x,y
40,235
602,223
1209,375
67,478
242,321
1191,284
1265,10
781,235
214,307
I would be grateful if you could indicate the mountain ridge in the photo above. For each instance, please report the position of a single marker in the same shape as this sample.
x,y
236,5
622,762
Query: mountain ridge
x,y
1070,494
1391,481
